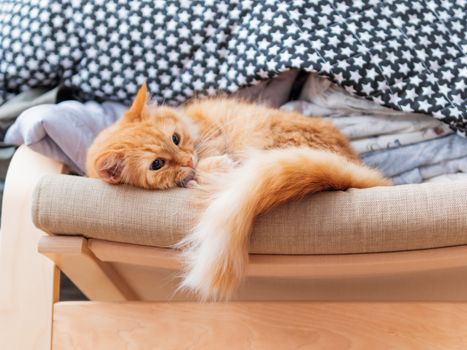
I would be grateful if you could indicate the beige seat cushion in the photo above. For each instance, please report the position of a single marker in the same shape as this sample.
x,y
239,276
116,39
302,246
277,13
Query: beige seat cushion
x,y
355,221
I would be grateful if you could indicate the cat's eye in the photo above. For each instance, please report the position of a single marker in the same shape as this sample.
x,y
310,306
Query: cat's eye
x,y
176,138
157,164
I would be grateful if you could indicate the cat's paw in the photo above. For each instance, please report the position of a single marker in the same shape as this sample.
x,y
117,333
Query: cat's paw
x,y
208,168
192,184
216,164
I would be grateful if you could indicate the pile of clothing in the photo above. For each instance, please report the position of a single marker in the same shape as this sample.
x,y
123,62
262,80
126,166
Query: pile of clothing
x,y
406,147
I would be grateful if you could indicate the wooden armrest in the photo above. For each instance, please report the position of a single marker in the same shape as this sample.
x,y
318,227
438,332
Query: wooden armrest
x,y
28,280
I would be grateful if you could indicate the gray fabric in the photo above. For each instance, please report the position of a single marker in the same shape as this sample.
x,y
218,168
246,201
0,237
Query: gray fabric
x,y
445,167
400,161
368,126
382,136
15,105
273,92
411,176
63,131
448,178
377,131
12,108
430,171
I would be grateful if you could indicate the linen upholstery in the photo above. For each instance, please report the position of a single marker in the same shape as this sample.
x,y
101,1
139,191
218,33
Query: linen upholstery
x,y
380,219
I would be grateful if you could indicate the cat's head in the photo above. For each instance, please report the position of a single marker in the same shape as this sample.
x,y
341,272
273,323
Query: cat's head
x,y
150,147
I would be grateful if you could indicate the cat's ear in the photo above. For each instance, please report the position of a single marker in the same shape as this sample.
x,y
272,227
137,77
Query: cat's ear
x,y
109,167
136,111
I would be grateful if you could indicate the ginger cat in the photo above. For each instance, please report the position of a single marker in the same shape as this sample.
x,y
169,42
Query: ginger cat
x,y
249,157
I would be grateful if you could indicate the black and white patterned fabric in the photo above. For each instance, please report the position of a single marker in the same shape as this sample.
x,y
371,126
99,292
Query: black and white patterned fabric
x,y
406,54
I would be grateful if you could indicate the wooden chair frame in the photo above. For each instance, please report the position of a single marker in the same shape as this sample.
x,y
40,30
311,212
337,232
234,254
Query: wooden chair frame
x,y
307,286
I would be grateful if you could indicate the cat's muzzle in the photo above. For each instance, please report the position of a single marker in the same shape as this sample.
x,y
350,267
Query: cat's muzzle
x,y
184,182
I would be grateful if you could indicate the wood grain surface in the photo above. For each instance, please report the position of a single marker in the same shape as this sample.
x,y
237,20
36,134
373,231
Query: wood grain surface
x,y
28,280
267,325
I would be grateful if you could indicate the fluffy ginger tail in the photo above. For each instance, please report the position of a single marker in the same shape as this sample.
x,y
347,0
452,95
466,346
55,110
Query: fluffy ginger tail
x,y
215,253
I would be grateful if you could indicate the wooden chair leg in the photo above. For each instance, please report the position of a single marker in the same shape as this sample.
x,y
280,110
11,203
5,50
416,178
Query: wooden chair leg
x,y
29,282
96,279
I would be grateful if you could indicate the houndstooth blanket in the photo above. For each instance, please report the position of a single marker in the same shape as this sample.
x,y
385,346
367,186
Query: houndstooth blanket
x,y
406,54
